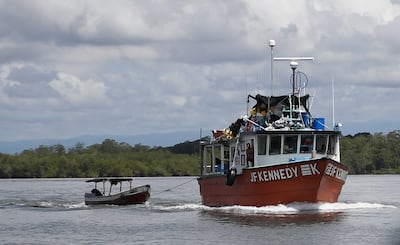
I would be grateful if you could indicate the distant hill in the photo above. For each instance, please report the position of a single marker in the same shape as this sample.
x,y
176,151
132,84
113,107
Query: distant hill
x,y
153,139
187,147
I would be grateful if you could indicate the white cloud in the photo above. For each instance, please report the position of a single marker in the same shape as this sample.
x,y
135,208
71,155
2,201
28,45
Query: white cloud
x,y
79,92
128,67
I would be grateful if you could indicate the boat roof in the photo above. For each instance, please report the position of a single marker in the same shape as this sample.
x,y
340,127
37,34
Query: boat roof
x,y
111,179
264,102
292,132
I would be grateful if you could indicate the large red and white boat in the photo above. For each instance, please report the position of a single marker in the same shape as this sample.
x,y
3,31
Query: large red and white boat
x,y
278,154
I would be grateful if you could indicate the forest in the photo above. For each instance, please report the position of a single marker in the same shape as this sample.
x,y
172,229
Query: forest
x,y
366,153
363,153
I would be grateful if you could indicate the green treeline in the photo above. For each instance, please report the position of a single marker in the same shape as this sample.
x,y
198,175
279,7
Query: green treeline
x,y
363,153
109,158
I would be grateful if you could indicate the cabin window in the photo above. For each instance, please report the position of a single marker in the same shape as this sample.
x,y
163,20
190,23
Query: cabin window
x,y
307,142
232,157
275,145
226,157
208,155
242,147
290,144
217,158
208,159
262,144
242,153
232,154
331,145
321,144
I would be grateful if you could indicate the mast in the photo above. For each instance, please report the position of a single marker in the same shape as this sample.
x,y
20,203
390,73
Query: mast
x,y
333,102
272,45
293,65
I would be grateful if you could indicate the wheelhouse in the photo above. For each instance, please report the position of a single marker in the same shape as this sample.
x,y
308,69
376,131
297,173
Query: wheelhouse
x,y
269,148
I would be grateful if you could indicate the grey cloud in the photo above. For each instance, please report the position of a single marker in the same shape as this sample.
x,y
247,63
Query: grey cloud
x,y
32,83
29,74
389,36
289,31
39,90
184,64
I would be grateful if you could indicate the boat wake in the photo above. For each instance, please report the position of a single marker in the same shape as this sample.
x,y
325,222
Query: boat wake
x,y
171,206
293,208
59,205
45,204
306,208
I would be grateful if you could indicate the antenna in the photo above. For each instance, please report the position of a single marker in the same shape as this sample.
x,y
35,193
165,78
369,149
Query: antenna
x,y
333,101
272,45
293,58
247,104
293,64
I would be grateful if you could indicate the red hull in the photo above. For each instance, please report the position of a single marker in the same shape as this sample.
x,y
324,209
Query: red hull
x,y
318,180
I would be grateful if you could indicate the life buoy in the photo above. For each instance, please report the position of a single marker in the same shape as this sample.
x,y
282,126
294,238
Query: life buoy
x,y
230,176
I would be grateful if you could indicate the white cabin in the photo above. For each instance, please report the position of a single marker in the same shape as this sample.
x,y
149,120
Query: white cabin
x,y
269,148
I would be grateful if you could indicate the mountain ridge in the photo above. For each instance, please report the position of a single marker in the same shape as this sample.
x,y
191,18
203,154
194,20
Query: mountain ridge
x,y
151,139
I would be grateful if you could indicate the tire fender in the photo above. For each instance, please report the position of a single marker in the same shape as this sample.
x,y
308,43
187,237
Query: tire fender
x,y
230,176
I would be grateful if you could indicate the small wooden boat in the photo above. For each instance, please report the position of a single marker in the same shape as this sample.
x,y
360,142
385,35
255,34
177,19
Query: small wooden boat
x,y
136,195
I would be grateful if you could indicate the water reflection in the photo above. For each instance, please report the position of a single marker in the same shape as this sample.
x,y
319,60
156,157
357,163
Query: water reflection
x,y
302,218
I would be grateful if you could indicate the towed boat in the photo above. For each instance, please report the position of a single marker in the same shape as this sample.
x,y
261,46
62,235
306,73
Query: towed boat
x,y
134,195
279,154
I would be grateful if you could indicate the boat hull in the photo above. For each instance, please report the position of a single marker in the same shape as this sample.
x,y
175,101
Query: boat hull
x,y
136,195
317,180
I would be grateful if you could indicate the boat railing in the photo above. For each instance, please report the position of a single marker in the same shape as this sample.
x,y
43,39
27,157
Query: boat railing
x,y
112,181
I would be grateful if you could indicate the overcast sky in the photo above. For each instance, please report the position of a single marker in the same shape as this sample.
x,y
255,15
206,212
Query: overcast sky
x,y
71,68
